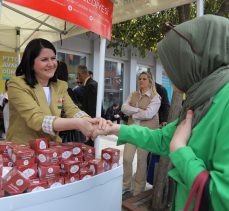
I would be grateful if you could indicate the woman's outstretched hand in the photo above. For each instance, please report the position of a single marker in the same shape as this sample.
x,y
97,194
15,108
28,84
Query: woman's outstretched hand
x,y
98,121
182,133
93,127
109,129
99,124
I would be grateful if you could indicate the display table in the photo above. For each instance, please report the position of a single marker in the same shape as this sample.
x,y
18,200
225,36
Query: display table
x,y
102,192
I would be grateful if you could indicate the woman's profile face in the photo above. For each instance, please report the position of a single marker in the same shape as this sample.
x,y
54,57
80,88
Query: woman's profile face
x,y
143,81
45,65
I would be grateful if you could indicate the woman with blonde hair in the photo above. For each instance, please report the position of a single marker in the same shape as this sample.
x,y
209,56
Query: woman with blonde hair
x,y
142,108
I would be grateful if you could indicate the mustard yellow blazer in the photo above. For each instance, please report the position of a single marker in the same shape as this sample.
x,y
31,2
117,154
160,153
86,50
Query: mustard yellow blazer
x,y
28,107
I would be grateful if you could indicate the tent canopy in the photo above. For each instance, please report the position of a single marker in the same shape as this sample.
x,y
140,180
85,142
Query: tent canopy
x,y
18,24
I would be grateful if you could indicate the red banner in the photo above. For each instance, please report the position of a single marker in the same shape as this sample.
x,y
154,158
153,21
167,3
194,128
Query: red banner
x,y
94,15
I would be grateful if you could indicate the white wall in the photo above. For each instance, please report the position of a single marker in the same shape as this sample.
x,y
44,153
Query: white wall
x,y
76,44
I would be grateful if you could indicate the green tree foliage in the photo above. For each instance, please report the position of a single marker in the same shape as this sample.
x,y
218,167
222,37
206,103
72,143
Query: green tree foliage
x,y
144,32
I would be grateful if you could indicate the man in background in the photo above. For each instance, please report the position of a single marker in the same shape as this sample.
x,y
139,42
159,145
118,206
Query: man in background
x,y
78,92
113,113
89,99
69,135
90,90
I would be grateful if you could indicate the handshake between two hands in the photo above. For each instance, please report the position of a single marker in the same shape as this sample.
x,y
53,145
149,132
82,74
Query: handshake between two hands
x,y
92,127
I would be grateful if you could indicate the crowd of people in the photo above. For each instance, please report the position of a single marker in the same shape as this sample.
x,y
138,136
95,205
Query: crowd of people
x,y
195,55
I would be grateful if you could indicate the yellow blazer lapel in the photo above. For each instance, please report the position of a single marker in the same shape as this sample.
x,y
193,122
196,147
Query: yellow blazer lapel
x,y
41,99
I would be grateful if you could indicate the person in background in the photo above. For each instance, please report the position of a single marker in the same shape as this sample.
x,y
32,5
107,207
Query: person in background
x,y
113,113
90,90
5,108
102,110
89,99
195,55
78,84
164,108
37,98
78,92
68,135
62,74
142,108
163,113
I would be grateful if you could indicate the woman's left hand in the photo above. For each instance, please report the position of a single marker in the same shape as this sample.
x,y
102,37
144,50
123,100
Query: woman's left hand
x,y
182,133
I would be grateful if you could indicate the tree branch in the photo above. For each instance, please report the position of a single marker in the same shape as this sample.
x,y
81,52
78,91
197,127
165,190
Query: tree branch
x,y
224,9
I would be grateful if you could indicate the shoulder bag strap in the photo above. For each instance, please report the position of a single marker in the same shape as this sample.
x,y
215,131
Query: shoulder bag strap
x,y
197,190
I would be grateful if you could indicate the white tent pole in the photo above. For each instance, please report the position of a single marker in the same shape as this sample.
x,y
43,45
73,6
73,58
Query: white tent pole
x,y
100,92
199,8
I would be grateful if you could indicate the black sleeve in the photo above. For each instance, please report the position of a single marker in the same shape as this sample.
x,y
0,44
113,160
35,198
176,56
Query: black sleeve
x,y
79,95
73,97
164,108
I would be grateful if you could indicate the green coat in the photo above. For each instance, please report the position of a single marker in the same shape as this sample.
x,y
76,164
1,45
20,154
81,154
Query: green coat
x,y
208,148
28,107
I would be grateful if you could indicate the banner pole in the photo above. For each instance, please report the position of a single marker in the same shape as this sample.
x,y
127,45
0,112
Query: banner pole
x,y
200,8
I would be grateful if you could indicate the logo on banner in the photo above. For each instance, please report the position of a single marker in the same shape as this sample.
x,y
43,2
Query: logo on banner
x,y
94,15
